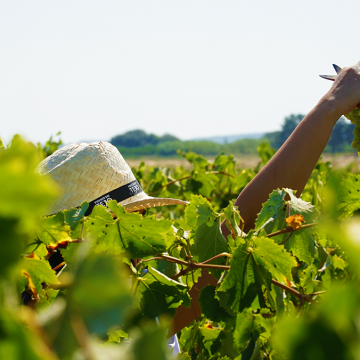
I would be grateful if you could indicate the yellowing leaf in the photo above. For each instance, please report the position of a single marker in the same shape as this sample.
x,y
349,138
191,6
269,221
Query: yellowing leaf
x,y
295,221
36,272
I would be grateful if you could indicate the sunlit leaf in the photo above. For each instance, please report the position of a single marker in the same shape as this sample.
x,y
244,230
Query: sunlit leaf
x,y
139,236
273,218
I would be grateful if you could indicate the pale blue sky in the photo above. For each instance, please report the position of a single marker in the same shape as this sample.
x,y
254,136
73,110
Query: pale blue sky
x,y
95,69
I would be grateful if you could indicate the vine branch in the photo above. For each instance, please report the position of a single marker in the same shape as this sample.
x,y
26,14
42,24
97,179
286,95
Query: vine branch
x,y
205,265
290,229
187,177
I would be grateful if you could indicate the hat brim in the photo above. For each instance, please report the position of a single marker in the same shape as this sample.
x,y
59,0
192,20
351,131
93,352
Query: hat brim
x,y
149,202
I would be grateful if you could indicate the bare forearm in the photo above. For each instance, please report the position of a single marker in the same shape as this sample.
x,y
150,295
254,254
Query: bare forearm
x,y
292,165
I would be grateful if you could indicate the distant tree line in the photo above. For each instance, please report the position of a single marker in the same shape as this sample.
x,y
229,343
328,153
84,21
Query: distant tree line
x,y
340,140
138,138
138,143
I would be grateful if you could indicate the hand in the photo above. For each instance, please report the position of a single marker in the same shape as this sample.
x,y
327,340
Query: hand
x,y
345,92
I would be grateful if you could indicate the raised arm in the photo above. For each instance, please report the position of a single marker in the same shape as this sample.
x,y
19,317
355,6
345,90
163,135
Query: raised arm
x,y
290,167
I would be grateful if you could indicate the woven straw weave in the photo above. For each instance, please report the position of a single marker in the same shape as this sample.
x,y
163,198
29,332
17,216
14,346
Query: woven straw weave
x,y
87,171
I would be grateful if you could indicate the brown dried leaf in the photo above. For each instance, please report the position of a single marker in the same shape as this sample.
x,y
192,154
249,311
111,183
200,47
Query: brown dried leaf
x,y
295,221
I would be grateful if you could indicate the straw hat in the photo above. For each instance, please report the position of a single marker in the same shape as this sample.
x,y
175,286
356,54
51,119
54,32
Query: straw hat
x,y
96,173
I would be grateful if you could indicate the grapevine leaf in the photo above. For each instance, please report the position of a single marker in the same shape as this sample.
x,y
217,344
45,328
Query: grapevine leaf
x,y
272,209
274,258
199,211
197,160
19,341
337,262
116,334
100,294
246,329
210,305
225,163
53,230
130,232
233,215
211,338
202,183
209,334
75,217
242,286
349,196
38,248
47,297
69,252
11,243
149,344
157,294
209,241
98,297
24,194
273,218
35,272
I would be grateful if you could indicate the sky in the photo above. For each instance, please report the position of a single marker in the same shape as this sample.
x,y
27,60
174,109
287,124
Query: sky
x,y
194,69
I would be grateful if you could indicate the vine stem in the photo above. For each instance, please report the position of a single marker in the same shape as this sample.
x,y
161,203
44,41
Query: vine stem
x,y
290,229
283,242
82,336
187,177
229,223
204,265
294,292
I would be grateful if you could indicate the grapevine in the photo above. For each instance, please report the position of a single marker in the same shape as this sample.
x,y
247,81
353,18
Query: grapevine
x,y
354,117
281,291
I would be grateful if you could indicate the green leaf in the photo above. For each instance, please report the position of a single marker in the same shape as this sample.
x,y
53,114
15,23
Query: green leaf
x,y
157,294
272,218
349,196
199,211
338,263
210,305
246,329
150,344
74,217
53,230
197,160
225,163
130,232
115,335
19,341
242,286
24,194
232,214
100,293
274,258
12,241
35,272
209,241
202,183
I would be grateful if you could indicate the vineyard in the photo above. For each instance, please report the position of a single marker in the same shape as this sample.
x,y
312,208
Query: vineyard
x,y
287,289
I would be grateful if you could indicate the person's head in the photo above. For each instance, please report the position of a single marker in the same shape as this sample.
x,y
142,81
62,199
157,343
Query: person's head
x,y
96,173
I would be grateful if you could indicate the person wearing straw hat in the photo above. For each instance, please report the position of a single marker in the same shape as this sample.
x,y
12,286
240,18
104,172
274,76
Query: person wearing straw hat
x,y
96,173
105,175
